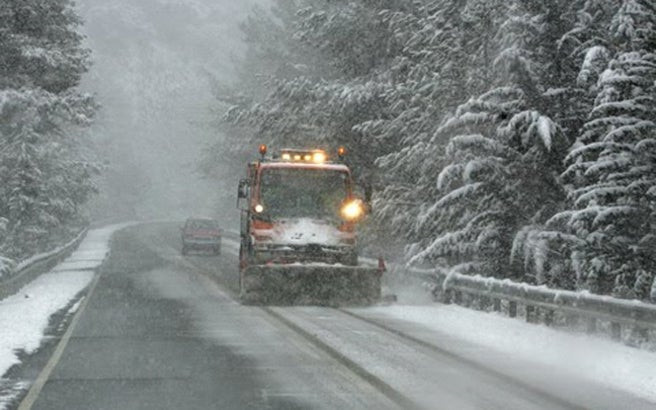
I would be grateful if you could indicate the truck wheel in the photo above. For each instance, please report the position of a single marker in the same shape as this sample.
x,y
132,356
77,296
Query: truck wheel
x,y
246,255
185,251
217,250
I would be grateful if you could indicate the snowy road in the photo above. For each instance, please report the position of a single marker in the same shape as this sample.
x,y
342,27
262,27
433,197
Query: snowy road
x,y
163,331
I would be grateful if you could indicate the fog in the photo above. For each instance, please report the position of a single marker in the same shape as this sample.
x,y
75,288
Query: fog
x,y
153,65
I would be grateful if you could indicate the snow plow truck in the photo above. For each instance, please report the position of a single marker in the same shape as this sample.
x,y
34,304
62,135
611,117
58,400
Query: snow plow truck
x,y
299,214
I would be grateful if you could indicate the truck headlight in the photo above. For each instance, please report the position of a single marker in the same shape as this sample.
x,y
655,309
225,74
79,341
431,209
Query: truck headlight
x,y
352,210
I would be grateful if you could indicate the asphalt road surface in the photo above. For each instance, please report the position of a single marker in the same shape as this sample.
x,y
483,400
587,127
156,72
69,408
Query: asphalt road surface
x,y
163,331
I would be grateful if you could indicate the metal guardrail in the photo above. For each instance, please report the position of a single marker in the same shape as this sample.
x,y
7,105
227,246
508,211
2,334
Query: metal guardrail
x,y
28,270
630,321
633,319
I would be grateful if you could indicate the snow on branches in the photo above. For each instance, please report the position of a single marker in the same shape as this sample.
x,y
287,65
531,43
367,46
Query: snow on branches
x,y
611,171
44,178
492,185
506,138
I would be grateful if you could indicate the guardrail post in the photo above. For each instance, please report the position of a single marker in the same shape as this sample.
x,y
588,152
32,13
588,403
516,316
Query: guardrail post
x,y
474,300
530,314
615,331
639,335
512,309
457,297
633,322
436,292
466,299
447,295
483,302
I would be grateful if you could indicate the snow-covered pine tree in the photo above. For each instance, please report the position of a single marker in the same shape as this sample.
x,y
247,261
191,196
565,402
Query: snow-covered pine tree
x,y
565,32
43,177
501,162
570,34
497,180
587,42
446,57
271,55
612,167
40,45
329,94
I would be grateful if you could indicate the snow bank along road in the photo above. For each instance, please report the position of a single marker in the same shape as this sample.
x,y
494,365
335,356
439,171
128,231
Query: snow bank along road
x,y
25,316
159,330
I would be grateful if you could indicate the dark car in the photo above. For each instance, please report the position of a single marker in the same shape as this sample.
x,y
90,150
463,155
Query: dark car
x,y
201,234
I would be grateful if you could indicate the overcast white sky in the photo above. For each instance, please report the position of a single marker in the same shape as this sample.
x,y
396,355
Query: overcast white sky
x,y
151,64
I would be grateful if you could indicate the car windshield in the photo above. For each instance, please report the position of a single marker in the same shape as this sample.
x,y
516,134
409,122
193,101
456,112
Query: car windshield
x,y
303,193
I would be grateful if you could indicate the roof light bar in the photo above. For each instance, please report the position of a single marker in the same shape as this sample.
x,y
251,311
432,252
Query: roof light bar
x,y
316,156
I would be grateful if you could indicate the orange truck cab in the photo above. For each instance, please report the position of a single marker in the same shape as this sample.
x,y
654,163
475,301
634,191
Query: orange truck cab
x,y
298,207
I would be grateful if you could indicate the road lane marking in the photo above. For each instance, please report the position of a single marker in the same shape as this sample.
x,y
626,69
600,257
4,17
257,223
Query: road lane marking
x,y
387,390
466,361
33,394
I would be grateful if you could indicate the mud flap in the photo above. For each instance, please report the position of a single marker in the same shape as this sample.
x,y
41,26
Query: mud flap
x,y
323,285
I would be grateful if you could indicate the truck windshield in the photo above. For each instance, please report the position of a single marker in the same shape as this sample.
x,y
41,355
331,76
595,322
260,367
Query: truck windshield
x,y
303,192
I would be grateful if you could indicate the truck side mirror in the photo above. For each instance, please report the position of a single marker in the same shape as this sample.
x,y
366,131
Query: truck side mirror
x,y
368,193
365,192
242,191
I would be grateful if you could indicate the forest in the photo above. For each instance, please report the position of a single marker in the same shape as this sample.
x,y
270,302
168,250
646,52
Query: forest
x,y
512,139
46,169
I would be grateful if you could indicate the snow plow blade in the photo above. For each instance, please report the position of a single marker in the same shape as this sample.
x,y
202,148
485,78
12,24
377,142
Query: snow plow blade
x,y
310,285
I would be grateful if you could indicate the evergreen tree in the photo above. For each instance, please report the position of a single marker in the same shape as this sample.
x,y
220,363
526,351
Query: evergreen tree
x,y
446,56
44,178
612,168
507,138
40,46
502,155
322,104
496,180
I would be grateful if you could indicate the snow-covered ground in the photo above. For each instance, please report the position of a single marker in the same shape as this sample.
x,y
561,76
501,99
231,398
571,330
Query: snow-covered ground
x,y
603,361
24,316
